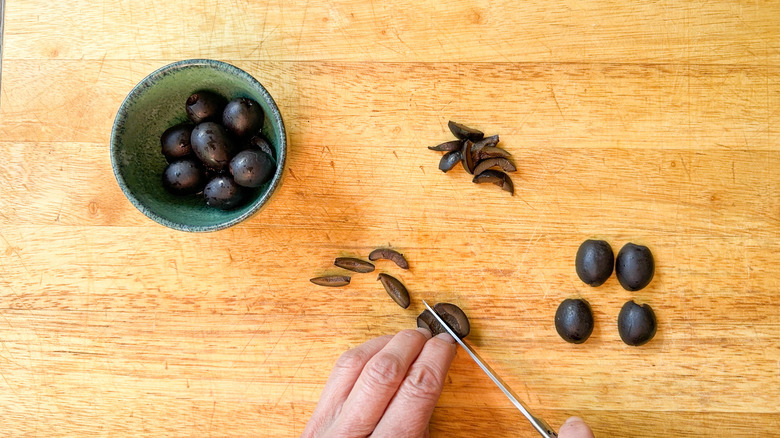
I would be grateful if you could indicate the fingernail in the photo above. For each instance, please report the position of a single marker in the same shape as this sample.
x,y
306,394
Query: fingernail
x,y
425,332
446,338
571,420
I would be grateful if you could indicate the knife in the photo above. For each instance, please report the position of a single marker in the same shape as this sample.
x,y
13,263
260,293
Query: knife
x,y
540,425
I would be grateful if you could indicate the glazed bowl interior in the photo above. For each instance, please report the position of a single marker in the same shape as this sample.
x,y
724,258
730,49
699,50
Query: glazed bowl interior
x,y
157,103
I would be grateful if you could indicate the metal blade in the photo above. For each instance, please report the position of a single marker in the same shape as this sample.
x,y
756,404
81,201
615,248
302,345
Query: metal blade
x,y
540,425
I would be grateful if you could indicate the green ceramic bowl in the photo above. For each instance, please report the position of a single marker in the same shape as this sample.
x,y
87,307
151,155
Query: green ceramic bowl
x,y
156,104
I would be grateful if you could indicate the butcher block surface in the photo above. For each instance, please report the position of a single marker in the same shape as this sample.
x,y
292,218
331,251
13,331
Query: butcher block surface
x,y
645,122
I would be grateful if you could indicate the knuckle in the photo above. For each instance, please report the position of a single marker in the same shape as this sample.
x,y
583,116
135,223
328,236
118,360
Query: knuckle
x,y
352,361
424,382
385,370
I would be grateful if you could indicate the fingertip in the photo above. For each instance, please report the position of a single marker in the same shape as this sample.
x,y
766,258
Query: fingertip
x,y
446,338
575,427
427,333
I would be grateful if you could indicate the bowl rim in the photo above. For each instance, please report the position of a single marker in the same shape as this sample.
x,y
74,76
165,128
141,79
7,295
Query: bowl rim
x,y
277,123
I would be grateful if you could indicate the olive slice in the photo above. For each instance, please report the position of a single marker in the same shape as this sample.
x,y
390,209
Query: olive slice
x,y
395,289
331,280
496,177
463,132
354,264
503,163
449,146
449,160
389,254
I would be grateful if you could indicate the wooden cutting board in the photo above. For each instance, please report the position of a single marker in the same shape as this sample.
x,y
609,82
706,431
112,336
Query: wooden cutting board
x,y
653,123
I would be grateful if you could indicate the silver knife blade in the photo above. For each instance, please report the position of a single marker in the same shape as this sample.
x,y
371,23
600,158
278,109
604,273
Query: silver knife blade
x,y
540,425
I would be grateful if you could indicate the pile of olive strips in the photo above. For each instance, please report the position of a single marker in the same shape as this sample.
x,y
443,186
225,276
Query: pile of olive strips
x,y
594,263
220,154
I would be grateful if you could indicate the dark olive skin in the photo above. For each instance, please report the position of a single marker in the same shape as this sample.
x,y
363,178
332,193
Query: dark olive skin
x,y
636,324
594,262
175,142
258,142
212,145
204,106
449,160
184,177
463,132
243,117
634,266
451,314
223,193
252,168
574,320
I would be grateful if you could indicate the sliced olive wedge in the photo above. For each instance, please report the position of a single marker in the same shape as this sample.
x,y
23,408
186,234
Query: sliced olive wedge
x,y
496,177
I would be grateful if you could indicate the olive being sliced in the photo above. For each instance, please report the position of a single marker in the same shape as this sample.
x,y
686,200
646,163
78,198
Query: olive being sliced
x,y
395,289
331,280
449,160
449,146
354,264
463,132
496,177
389,254
503,163
451,314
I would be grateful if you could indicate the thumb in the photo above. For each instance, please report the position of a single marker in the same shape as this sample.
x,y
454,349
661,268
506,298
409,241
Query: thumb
x,y
575,427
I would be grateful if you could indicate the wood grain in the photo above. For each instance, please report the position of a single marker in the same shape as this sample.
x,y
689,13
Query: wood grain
x,y
651,123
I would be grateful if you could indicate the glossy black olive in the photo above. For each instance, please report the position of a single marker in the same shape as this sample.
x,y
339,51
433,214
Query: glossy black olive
x,y
175,142
212,145
634,267
574,320
223,193
594,262
204,106
243,117
184,177
252,168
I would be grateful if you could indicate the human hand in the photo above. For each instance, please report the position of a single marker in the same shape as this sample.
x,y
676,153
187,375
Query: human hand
x,y
574,427
387,386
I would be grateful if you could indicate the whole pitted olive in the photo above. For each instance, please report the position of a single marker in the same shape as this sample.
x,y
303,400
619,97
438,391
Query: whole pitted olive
x,y
594,262
223,193
574,320
636,324
634,267
252,168
175,142
184,177
204,106
212,145
243,117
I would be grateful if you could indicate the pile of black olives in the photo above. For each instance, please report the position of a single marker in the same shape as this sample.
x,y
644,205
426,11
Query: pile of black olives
x,y
221,153
634,268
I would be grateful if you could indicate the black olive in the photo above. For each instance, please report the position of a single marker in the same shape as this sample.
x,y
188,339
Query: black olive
x,y
636,324
594,262
451,314
204,106
504,163
449,146
496,177
574,320
449,160
243,117
634,266
258,142
395,289
175,142
212,145
184,177
463,132
389,254
354,264
252,168
223,193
